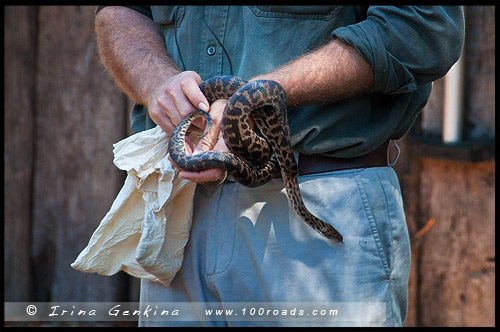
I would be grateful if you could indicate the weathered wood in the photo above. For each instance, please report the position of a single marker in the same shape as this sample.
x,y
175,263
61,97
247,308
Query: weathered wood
x,y
480,71
457,260
456,257
19,116
432,114
80,114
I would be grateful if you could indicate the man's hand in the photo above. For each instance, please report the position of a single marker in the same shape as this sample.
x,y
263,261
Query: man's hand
x,y
176,97
211,141
132,48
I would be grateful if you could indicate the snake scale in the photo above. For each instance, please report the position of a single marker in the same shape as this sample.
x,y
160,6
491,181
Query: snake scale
x,y
253,160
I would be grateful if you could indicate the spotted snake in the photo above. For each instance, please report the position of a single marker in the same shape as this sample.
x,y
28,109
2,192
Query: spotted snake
x,y
253,160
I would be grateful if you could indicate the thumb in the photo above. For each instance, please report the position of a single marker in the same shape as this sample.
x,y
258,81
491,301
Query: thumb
x,y
209,141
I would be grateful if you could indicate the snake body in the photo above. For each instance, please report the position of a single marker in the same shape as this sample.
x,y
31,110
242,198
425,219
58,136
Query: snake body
x,y
253,160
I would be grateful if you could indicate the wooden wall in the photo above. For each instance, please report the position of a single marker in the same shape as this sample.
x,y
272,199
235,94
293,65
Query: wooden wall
x,y
450,204
63,113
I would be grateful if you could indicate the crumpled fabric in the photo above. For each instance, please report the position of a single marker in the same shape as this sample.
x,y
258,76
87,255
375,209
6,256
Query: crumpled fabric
x,y
147,227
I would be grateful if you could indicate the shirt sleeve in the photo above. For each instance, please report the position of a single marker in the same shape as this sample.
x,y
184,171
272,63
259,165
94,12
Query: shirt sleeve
x,y
407,46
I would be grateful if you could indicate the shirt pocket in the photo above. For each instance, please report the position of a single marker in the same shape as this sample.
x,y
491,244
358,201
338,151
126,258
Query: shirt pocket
x,y
168,16
324,13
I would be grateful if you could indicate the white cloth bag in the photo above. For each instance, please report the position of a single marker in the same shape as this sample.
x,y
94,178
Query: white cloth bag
x,y
147,227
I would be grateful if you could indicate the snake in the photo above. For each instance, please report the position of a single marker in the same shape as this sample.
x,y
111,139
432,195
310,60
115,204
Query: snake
x,y
256,156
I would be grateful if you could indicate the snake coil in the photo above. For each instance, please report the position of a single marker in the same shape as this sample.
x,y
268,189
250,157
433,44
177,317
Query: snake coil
x,y
253,160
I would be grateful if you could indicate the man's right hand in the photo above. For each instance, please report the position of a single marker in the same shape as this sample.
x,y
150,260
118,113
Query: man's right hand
x,y
132,48
175,98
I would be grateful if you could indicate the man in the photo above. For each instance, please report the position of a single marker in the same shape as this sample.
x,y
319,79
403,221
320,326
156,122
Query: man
x,y
356,77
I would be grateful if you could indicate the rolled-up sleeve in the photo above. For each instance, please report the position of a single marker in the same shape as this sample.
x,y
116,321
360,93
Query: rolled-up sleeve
x,y
407,46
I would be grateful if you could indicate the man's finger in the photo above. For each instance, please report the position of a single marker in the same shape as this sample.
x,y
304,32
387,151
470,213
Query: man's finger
x,y
209,141
162,120
191,89
208,175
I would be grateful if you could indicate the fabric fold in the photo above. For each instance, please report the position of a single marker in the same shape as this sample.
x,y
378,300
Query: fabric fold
x,y
147,227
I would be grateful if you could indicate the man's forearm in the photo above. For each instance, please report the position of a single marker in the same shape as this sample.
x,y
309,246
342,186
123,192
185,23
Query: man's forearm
x,y
330,73
333,72
133,51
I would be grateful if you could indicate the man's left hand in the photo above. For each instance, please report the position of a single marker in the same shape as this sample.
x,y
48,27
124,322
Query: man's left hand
x,y
211,141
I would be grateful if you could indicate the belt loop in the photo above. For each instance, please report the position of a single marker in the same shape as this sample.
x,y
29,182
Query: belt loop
x,y
391,164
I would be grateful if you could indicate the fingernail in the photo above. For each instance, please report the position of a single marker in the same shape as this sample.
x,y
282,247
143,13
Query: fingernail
x,y
202,106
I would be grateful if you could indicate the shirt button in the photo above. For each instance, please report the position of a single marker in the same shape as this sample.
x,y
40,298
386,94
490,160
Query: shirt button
x,y
211,50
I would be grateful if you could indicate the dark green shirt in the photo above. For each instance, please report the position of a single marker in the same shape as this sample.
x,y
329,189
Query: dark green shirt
x,y
407,47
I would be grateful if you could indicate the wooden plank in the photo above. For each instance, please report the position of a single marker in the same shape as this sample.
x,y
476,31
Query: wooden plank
x,y
19,117
80,114
457,256
457,263
480,71
432,113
